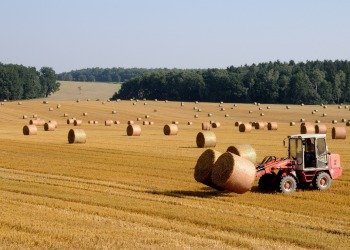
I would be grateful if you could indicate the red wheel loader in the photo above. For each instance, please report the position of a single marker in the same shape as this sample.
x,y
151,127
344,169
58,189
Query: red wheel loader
x,y
308,162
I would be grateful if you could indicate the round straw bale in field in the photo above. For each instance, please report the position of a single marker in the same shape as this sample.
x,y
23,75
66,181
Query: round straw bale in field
x,y
244,150
324,106
25,117
324,115
95,122
88,99
334,121
78,122
70,121
195,108
305,123
35,116
53,122
307,129
37,122
156,100
138,119
195,116
221,102
210,114
340,107
205,126
45,102
338,133
259,125
65,115
245,127
91,122
343,120
51,109
30,130
268,107
78,100
103,102
170,129
189,123
19,103
166,101
206,139
255,103
227,115
58,106
301,104
146,116
292,124
199,110
250,111
76,136
238,123
287,107
220,105
114,111
233,173
134,103
151,123
175,122
321,129
348,123
2,103
313,112
215,125
49,126
116,122
130,122
302,120
145,122
272,126
182,104
85,114
133,130
196,102
235,105
260,108
145,103
222,109
108,122
317,121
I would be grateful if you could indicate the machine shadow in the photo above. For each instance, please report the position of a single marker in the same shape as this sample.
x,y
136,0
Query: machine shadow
x,y
206,193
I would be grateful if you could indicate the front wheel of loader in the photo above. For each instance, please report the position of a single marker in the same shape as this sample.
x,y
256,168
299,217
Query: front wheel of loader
x,y
287,184
267,182
322,181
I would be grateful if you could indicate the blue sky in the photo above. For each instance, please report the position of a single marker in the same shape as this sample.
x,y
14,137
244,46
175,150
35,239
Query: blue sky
x,y
76,34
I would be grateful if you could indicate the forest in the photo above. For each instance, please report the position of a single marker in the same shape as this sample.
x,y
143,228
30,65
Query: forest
x,y
312,82
18,82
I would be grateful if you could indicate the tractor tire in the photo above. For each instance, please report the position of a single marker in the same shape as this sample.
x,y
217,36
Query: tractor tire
x,y
266,182
287,184
322,181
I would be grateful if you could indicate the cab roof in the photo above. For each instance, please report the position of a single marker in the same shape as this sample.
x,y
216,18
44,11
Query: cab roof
x,y
304,136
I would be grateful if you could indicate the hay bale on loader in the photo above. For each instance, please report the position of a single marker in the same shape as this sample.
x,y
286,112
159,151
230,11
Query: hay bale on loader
x,y
233,173
204,166
243,150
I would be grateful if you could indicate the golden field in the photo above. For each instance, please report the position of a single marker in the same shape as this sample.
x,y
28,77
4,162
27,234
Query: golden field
x,y
122,192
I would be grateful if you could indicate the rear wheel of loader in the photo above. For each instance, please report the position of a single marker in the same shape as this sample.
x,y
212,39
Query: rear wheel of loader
x,y
287,184
322,181
266,182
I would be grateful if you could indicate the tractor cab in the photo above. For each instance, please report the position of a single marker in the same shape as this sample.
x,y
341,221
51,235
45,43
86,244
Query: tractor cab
x,y
309,151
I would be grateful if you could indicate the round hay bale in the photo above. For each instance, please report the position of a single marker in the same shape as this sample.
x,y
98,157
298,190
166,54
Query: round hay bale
x,y
243,150
250,111
182,104
78,100
199,110
145,122
145,103
233,173
334,121
305,123
175,122
170,129
116,122
146,116
347,123
340,107
195,108
206,139
58,106
45,102
19,103
324,115
238,123
95,122
189,123
65,115
138,119
130,122
51,109
343,120
37,122
235,105
76,136
325,107
114,111
78,122
166,101
30,130
259,125
103,102
321,129
302,120
260,108
54,123
222,109
215,125
85,114
25,117
210,114
151,123
196,102
317,121
35,116
133,130
307,129
262,114
108,122
291,123
91,122
338,133
49,126
205,126
134,103
195,116
245,127
272,126
287,107
227,115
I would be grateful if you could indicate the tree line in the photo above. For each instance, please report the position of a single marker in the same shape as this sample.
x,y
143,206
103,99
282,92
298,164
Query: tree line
x,y
312,82
19,82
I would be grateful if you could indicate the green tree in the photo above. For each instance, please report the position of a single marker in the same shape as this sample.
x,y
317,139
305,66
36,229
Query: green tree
x,y
48,81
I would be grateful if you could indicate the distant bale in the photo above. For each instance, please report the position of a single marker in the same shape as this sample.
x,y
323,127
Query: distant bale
x,y
244,150
65,115
51,109
114,111
338,133
344,120
78,122
49,126
215,125
91,122
206,139
189,123
175,122
334,121
262,114
233,173
85,114
307,129
30,130
227,115
145,122
195,116
25,117
205,126
35,116
317,121
53,122
130,122
272,126
287,107
37,122
259,125
245,127
76,136
19,103
324,114
45,102
305,124
321,129
291,123
347,123
95,122
151,123
133,130
116,122
302,120
222,109
138,119
146,116
210,114
108,122
238,123
250,111
170,129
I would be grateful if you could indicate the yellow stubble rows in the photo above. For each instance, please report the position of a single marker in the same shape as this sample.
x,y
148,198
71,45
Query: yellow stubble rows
x,y
117,191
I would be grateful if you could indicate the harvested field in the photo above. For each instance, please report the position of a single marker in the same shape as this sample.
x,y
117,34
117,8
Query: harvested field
x,y
125,192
